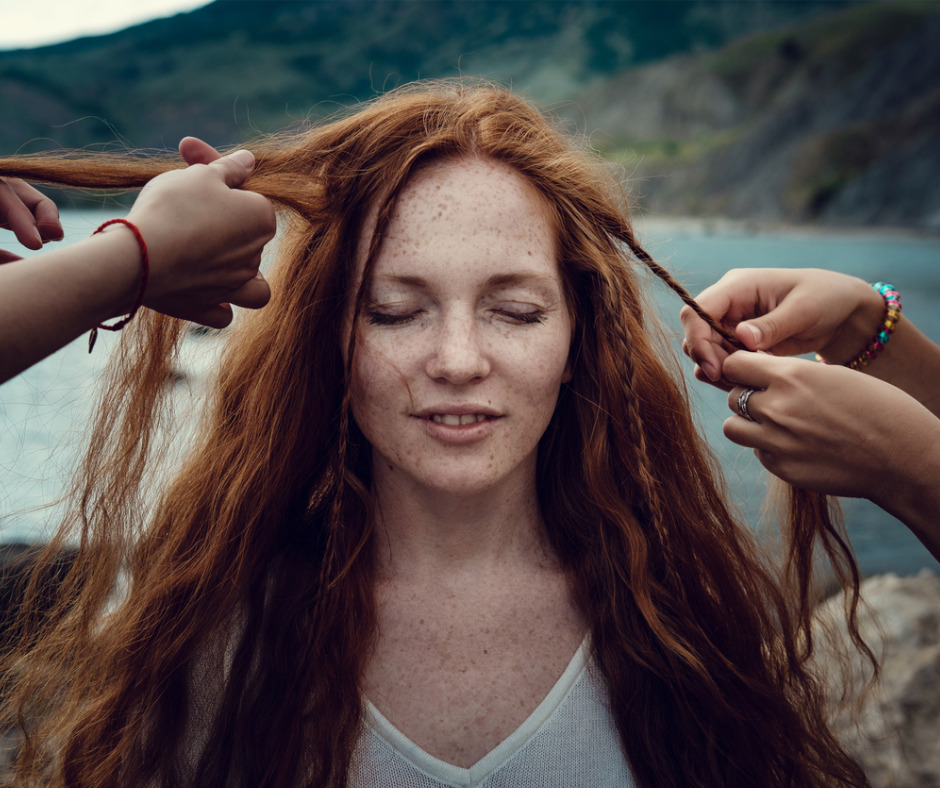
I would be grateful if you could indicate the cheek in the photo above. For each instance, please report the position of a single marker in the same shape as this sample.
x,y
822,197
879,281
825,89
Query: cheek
x,y
541,371
378,379
551,360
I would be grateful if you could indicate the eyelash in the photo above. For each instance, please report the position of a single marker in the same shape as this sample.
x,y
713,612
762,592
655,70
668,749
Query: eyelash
x,y
385,319
526,318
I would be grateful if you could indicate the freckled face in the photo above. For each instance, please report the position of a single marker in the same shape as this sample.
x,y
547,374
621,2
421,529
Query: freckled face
x,y
464,335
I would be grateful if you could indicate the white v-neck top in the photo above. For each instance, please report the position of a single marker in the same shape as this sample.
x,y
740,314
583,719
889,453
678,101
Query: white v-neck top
x,y
569,740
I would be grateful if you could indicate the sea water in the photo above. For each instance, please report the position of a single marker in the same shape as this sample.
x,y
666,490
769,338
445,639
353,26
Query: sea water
x,y
44,413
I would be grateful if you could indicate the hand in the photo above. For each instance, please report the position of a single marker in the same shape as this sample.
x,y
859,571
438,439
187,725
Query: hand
x,y
205,236
784,312
32,216
832,429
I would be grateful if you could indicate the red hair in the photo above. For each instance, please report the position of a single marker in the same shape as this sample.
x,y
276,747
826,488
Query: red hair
x,y
249,592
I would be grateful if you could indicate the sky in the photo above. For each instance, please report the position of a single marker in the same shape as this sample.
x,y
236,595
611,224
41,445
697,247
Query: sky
x,y
32,23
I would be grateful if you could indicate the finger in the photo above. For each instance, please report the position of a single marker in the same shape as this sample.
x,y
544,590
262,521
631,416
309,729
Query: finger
x,y
789,319
44,211
720,384
17,217
236,167
709,361
195,151
48,222
254,294
749,370
741,402
702,344
743,432
8,257
216,316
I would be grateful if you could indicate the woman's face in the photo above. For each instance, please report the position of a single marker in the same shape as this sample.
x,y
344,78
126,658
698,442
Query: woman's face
x,y
464,333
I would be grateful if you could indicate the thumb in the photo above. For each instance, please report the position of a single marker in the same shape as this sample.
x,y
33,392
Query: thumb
x,y
768,331
236,167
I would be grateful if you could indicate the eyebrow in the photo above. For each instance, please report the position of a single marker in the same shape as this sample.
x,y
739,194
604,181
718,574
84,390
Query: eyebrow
x,y
496,280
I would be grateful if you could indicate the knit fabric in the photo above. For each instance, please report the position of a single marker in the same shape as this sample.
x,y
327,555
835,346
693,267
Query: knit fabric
x,y
569,740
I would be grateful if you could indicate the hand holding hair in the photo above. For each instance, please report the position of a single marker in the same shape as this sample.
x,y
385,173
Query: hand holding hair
x,y
836,431
205,236
784,312
202,234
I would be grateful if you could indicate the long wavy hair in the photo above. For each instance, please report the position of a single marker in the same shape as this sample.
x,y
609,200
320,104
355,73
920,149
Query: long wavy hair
x,y
216,634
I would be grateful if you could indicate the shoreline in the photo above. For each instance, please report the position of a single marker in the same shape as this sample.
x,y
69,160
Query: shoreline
x,y
720,225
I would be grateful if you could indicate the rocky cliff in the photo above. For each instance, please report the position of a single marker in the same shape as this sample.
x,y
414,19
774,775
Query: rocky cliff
x,y
835,121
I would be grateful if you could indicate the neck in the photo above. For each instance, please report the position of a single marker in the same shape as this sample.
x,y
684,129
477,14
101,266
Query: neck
x,y
430,532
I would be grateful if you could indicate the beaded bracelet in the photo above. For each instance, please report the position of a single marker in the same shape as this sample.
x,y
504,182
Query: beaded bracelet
x,y
144,277
892,315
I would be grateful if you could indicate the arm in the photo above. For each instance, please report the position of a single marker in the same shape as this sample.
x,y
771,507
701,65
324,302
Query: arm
x,y
792,311
835,431
204,236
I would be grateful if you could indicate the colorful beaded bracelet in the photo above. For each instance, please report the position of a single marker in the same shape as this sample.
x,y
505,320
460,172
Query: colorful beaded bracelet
x,y
892,315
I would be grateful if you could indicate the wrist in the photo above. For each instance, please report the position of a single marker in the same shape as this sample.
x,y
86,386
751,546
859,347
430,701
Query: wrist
x,y
123,258
856,331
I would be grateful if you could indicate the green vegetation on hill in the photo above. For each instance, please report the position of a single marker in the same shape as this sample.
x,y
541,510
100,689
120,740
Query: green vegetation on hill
x,y
834,120
805,111
236,67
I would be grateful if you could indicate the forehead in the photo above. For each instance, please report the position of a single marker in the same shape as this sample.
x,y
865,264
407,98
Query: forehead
x,y
466,213
488,193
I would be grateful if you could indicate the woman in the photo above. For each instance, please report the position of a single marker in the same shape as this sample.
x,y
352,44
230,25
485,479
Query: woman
x,y
874,435
447,507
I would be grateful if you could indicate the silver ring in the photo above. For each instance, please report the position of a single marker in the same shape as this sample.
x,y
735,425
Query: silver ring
x,y
743,397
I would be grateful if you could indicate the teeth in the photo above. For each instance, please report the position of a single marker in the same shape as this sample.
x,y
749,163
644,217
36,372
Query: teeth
x,y
452,420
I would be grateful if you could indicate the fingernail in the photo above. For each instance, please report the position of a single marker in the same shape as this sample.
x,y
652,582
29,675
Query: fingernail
x,y
756,333
243,157
710,371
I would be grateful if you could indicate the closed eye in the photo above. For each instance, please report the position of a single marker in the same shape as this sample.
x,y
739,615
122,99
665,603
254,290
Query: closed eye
x,y
530,317
392,319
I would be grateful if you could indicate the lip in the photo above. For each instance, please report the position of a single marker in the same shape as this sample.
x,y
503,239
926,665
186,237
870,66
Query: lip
x,y
469,430
465,409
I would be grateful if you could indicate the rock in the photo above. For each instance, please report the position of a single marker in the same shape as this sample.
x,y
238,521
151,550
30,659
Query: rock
x,y
835,122
896,733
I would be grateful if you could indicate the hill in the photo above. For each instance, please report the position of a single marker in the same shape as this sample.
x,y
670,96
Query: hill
x,y
729,100
834,121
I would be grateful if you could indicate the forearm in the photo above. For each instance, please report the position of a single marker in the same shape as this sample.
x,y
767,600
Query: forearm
x,y
49,300
911,362
915,498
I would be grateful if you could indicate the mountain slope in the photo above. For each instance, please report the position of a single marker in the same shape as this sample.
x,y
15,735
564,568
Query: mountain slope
x,y
823,111
236,66
835,121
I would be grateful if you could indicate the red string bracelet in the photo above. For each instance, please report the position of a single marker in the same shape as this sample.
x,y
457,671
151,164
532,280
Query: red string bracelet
x,y
144,276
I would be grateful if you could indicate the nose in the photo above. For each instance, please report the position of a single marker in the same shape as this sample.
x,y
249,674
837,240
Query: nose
x,y
459,356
